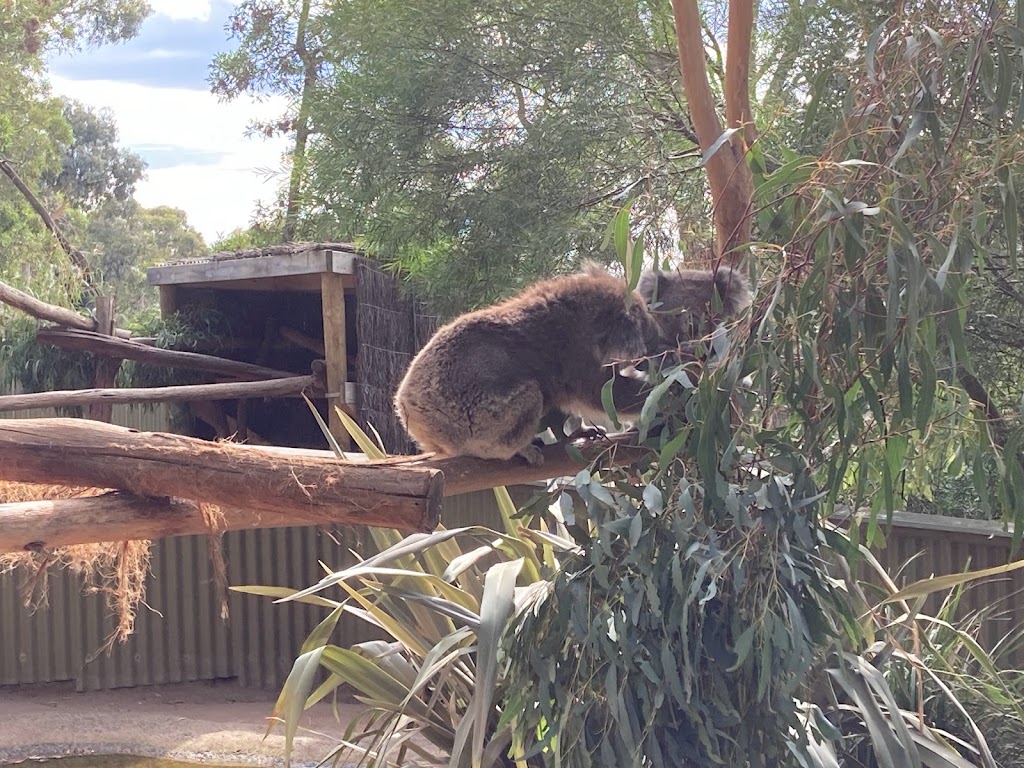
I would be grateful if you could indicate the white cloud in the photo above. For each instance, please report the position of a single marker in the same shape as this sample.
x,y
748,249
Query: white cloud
x,y
198,10
218,196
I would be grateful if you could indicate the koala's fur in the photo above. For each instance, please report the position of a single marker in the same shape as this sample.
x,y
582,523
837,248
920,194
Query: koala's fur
x,y
482,384
686,308
689,302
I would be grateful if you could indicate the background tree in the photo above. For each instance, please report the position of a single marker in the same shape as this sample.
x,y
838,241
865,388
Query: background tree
x,y
33,131
94,169
280,52
704,607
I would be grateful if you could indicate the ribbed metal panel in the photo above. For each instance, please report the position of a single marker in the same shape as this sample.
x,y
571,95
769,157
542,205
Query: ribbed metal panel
x,y
179,636
187,640
951,545
266,636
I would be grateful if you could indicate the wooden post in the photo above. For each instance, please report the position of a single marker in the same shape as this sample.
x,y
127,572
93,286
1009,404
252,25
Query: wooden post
x,y
168,301
106,367
332,289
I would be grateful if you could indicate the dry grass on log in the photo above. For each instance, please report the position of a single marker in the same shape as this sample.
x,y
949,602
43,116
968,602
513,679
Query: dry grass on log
x,y
115,569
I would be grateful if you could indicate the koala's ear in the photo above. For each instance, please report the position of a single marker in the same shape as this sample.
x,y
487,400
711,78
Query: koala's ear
x,y
593,269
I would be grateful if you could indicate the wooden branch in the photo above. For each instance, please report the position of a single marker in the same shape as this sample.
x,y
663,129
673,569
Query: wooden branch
x,y
73,253
737,69
43,311
729,177
176,463
464,475
116,516
78,452
127,349
299,339
227,391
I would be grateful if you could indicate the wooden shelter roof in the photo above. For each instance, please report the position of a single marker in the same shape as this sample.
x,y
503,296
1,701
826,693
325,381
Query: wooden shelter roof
x,y
292,267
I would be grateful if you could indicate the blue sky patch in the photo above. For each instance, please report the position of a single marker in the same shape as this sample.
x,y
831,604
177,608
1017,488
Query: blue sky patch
x,y
168,52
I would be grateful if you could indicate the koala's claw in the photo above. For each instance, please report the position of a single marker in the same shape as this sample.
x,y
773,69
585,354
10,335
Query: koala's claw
x,y
590,432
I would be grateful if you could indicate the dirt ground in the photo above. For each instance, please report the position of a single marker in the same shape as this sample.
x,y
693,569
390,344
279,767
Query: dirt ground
x,y
196,722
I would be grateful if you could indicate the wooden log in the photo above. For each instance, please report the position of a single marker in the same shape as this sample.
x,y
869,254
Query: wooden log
x,y
126,349
43,311
40,310
116,516
226,391
78,452
299,339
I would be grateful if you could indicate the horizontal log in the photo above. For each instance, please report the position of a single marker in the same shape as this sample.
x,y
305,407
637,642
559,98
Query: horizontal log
x,y
42,311
125,349
226,391
116,516
77,452
465,475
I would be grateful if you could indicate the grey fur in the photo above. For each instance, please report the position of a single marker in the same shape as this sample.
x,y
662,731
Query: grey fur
x,y
481,385
687,303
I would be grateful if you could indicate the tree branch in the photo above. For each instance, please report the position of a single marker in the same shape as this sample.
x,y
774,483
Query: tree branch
x,y
729,177
73,253
737,69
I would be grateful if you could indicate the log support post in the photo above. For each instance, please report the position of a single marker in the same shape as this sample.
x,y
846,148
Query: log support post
x,y
106,367
336,357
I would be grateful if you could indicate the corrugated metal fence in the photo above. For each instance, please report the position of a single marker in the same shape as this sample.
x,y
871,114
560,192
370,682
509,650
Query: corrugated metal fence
x,y
179,637
921,546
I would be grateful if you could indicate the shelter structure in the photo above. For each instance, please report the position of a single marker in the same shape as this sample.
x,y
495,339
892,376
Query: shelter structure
x,y
288,306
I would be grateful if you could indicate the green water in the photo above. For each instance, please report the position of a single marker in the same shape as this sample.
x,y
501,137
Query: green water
x,y
112,761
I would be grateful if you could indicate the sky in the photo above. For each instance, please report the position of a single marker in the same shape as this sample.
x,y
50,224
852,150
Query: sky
x,y
199,158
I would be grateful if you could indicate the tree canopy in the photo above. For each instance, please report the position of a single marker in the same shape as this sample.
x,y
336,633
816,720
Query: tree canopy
x,y
69,158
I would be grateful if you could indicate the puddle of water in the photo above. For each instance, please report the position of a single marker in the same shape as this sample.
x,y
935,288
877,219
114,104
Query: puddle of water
x,y
112,761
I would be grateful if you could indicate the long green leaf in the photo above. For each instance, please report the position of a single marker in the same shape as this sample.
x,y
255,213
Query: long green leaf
x,y
495,609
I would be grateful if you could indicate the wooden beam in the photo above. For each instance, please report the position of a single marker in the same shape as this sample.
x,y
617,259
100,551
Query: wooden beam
x,y
78,452
287,283
226,391
336,357
128,349
220,270
116,516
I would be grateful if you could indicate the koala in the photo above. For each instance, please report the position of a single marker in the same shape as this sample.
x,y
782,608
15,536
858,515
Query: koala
x,y
484,381
687,311
690,303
